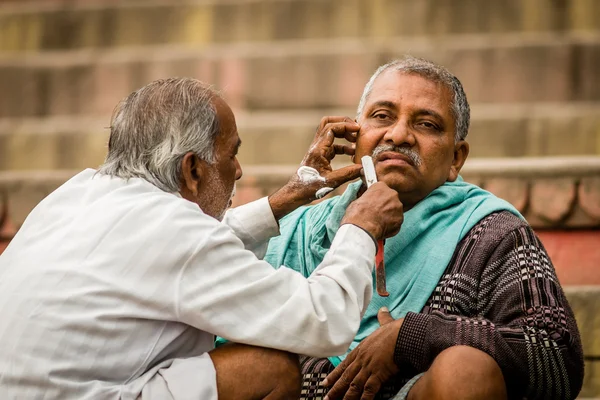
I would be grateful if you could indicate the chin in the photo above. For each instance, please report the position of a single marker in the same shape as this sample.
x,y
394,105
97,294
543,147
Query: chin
x,y
398,182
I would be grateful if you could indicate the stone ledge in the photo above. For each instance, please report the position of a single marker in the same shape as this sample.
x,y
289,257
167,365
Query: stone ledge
x,y
295,47
310,117
301,77
72,142
54,24
552,193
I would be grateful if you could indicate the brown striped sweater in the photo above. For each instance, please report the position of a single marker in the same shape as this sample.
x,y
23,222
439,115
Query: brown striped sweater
x,y
499,294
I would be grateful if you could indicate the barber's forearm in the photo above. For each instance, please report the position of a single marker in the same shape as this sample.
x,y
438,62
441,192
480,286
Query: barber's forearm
x,y
288,199
254,224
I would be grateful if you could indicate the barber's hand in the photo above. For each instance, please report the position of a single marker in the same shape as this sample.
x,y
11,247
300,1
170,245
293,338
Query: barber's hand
x,y
378,211
369,365
321,151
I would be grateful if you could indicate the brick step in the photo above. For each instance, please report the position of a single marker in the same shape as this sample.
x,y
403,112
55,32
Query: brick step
x,y
552,192
292,75
585,301
51,25
283,137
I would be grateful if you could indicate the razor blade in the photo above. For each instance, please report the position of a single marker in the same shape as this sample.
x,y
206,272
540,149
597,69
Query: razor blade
x,y
369,169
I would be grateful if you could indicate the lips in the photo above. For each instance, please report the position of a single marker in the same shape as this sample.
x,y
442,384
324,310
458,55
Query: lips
x,y
393,156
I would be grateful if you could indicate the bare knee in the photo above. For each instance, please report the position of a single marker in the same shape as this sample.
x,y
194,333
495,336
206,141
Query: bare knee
x,y
461,372
285,369
248,373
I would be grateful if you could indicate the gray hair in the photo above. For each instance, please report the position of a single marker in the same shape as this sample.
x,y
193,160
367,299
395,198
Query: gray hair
x,y
436,73
154,127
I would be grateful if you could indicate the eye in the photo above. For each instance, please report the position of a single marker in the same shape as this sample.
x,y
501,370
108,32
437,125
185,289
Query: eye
x,y
429,125
380,115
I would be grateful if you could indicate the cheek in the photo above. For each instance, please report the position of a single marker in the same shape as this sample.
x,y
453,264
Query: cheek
x,y
367,141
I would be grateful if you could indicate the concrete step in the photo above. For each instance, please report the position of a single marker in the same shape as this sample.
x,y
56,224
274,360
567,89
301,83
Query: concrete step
x,y
301,74
51,25
585,301
551,192
274,138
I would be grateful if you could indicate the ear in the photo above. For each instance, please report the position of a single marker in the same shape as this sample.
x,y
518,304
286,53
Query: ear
x,y
461,152
192,174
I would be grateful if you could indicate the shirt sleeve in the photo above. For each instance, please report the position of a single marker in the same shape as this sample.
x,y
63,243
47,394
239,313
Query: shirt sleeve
x,y
225,290
254,223
525,323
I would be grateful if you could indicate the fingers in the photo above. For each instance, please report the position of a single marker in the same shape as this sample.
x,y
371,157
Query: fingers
x,y
330,120
384,316
343,175
346,130
363,386
339,370
371,388
336,373
344,149
348,386
337,127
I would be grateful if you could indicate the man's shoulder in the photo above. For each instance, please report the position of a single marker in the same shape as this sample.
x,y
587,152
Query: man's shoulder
x,y
492,230
107,198
500,222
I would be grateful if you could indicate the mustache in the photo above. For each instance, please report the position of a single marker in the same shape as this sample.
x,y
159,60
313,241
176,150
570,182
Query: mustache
x,y
414,157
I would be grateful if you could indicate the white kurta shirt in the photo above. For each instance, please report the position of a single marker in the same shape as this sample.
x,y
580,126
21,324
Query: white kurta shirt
x,y
115,289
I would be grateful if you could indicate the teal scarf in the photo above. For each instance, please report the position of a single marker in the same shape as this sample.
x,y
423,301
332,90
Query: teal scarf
x,y
415,259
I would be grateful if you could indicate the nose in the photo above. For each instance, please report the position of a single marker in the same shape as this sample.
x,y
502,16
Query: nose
x,y
400,134
238,170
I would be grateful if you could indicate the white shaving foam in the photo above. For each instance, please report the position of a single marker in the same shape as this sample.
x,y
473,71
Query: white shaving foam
x,y
323,192
309,175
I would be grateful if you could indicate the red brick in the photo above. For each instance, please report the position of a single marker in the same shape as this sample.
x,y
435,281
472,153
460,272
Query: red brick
x,y
575,255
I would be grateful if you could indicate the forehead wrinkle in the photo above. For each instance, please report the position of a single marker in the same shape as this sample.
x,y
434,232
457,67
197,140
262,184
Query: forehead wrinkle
x,y
412,94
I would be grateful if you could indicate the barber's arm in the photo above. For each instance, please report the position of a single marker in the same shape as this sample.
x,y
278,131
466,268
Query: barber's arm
x,y
224,289
527,326
256,222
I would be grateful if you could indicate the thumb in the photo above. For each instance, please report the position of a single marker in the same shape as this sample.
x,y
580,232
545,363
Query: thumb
x,y
343,175
384,316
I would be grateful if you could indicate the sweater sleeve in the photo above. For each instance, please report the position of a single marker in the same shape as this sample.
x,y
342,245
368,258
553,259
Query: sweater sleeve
x,y
523,321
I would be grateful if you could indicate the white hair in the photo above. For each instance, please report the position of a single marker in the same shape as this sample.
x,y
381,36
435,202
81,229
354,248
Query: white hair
x,y
436,73
154,127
